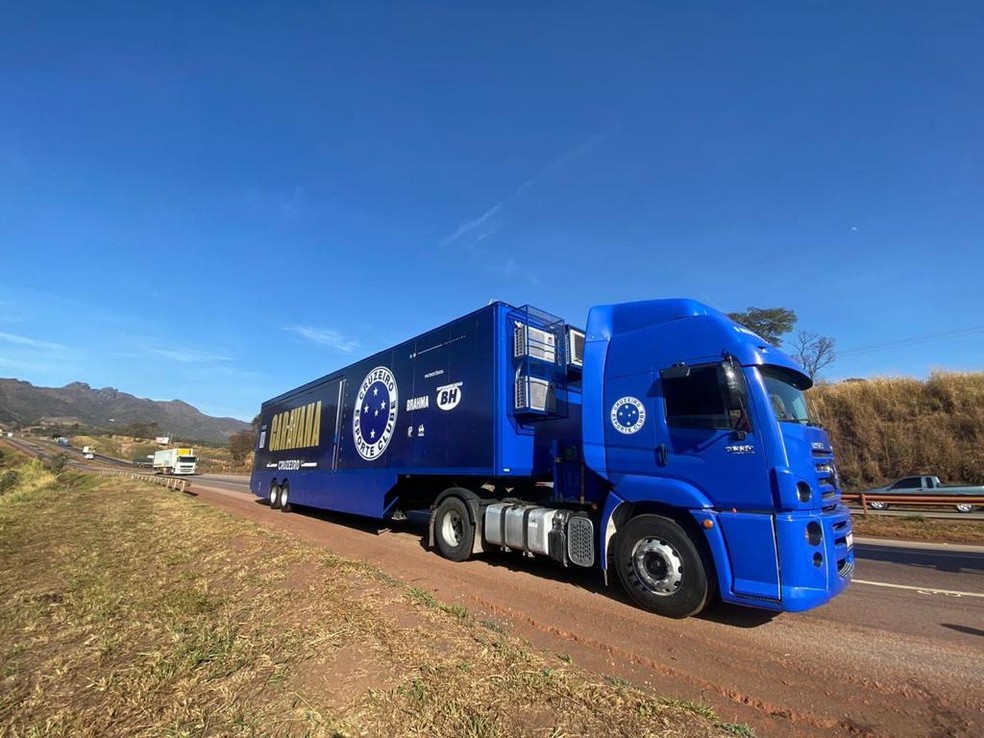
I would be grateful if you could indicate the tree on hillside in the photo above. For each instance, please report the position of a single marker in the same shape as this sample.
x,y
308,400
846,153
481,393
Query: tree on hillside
x,y
814,352
241,445
770,323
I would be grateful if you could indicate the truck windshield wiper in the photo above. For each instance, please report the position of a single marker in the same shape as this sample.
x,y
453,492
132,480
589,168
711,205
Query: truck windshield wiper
x,y
801,421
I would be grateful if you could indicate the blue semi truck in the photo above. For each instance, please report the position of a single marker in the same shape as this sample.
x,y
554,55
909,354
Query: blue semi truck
x,y
665,442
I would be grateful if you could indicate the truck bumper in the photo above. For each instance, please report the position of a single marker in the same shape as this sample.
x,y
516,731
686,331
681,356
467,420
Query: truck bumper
x,y
788,562
816,553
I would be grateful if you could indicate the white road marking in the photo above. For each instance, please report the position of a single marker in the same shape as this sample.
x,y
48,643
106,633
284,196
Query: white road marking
x,y
923,590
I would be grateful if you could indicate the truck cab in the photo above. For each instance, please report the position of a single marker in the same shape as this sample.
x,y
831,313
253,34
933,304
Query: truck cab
x,y
730,454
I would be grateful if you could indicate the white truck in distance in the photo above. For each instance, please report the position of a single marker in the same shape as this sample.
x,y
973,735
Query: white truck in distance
x,y
88,452
175,461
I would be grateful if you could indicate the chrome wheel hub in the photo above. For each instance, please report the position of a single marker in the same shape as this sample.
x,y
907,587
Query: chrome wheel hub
x,y
657,565
453,528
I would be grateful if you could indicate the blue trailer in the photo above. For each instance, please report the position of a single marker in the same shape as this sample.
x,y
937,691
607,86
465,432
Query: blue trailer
x,y
665,442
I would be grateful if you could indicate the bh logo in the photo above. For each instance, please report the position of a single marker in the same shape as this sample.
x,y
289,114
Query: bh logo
x,y
374,418
449,396
628,415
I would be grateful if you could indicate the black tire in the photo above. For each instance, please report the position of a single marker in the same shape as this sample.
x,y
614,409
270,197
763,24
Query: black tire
x,y
661,568
964,507
285,497
453,529
878,505
274,497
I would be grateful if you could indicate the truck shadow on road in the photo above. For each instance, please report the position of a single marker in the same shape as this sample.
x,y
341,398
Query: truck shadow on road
x,y
588,580
964,629
956,562
592,581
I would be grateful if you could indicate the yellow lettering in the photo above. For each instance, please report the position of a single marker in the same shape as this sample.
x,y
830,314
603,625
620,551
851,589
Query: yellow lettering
x,y
316,425
309,425
301,427
308,419
297,428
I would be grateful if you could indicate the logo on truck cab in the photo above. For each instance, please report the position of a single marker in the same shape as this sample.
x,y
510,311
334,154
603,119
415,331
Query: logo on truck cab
x,y
374,416
628,415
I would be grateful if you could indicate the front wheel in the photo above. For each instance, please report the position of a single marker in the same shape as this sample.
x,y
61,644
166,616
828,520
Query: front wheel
x,y
965,507
453,529
661,568
878,505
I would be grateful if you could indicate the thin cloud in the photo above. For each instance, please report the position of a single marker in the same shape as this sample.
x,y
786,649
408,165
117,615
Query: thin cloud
x,y
473,232
21,365
325,337
32,342
190,356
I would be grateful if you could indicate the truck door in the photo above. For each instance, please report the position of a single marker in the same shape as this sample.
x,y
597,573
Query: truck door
x,y
710,441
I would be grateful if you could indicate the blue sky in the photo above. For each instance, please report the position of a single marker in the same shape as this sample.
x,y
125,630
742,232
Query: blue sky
x,y
217,202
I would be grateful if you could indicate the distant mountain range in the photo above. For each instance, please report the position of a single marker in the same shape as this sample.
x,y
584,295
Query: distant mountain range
x,y
109,409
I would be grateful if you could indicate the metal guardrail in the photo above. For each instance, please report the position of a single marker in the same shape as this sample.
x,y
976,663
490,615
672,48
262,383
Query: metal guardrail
x,y
927,500
181,485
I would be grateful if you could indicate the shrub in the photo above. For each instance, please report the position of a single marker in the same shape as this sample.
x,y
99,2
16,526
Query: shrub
x,y
57,464
8,480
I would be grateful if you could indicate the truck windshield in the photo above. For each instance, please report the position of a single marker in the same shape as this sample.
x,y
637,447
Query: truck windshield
x,y
785,389
187,459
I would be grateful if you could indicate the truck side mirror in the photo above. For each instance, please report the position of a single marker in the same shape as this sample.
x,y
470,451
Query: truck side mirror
x,y
735,395
734,389
677,371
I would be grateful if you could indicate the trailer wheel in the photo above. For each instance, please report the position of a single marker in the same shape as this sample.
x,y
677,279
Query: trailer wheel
x,y
274,496
284,497
661,568
453,529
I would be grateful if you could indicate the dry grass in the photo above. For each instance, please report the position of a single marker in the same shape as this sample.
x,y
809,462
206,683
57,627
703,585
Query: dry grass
x,y
128,610
883,429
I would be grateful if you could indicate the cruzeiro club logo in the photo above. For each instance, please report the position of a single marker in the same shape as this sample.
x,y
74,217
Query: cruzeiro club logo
x,y
628,415
375,413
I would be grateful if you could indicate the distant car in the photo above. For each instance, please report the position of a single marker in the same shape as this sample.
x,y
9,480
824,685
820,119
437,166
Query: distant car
x,y
924,486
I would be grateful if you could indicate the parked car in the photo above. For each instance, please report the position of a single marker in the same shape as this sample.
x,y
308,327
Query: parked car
x,y
924,486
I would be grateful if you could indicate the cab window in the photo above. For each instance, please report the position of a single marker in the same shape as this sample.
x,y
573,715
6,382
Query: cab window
x,y
697,400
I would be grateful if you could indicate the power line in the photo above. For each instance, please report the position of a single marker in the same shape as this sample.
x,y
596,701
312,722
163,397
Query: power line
x,y
901,343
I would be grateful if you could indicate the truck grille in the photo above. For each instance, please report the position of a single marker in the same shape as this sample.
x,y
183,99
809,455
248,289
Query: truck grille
x,y
826,478
845,556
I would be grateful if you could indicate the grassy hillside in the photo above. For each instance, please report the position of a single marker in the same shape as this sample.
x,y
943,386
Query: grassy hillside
x,y
210,458
887,428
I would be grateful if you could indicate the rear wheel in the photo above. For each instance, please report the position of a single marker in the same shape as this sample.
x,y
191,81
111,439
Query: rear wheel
x,y
274,496
661,568
285,497
453,529
878,505
964,507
